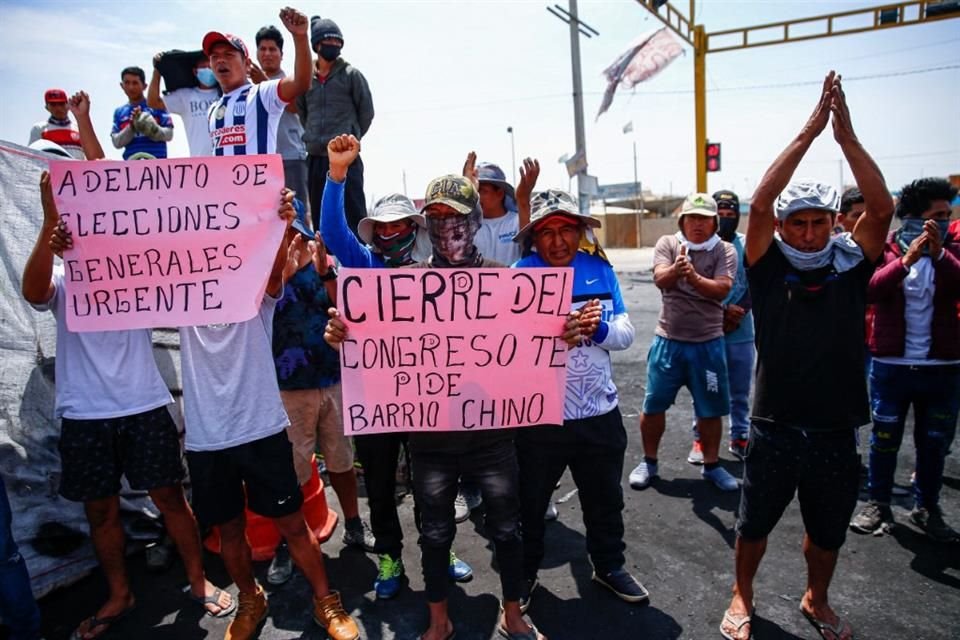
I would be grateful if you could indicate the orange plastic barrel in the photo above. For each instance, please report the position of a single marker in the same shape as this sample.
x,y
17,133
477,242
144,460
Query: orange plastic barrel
x,y
262,533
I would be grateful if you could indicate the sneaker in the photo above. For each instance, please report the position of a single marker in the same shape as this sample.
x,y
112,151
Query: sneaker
x,y
720,478
643,475
473,497
624,585
931,521
460,509
459,571
872,518
281,567
328,612
251,612
552,513
738,447
696,453
390,578
529,584
357,534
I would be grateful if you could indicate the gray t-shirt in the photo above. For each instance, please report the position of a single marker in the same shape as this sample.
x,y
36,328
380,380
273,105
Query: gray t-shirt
x,y
686,315
290,134
230,392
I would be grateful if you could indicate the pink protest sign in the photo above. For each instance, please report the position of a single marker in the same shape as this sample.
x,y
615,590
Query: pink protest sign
x,y
167,243
452,349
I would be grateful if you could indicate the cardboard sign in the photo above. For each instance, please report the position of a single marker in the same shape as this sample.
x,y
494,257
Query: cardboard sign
x,y
452,349
168,243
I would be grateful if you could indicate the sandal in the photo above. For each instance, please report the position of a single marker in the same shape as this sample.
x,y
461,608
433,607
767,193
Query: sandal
x,y
93,622
737,622
836,631
215,599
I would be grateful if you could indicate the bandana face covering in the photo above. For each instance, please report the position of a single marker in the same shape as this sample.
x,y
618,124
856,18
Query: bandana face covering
x,y
911,228
707,245
397,249
841,252
452,238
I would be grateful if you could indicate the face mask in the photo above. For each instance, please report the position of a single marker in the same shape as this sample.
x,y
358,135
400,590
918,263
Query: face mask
x,y
206,77
728,227
911,228
330,52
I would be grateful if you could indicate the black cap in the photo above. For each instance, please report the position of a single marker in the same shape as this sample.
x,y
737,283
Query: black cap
x,y
727,200
323,28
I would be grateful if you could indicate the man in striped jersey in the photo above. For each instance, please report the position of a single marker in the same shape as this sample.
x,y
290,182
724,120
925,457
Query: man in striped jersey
x,y
244,121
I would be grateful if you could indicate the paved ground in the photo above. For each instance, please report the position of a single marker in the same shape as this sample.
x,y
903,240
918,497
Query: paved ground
x,y
679,543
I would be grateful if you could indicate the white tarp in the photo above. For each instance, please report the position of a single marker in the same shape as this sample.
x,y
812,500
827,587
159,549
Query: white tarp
x,y
43,522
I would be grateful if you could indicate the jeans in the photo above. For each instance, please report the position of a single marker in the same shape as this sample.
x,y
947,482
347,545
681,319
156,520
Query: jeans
x,y
934,392
354,201
593,448
740,357
491,467
17,607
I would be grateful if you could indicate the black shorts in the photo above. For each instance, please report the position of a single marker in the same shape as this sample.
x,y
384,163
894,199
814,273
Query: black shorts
x,y
821,467
95,453
263,467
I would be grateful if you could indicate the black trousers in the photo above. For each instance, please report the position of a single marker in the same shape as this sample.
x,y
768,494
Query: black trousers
x,y
379,454
593,448
354,201
493,468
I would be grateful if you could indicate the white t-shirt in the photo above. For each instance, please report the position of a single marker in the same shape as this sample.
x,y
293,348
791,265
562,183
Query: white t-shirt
x,y
236,123
102,374
230,392
495,238
192,104
290,144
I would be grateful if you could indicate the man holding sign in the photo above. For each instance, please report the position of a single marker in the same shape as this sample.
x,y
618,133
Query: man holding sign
x,y
592,440
460,440
113,406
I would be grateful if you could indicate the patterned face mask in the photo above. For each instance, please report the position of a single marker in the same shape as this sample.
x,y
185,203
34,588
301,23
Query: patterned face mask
x,y
452,237
397,249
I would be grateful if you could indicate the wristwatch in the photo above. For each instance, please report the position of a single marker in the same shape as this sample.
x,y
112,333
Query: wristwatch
x,y
331,274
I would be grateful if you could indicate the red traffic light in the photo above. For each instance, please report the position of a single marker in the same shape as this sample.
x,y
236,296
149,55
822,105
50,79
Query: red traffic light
x,y
713,156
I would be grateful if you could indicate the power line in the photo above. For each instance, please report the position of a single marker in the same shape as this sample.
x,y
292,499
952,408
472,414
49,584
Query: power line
x,y
756,87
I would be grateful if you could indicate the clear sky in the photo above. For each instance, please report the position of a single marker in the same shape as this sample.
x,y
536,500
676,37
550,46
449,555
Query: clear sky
x,y
448,77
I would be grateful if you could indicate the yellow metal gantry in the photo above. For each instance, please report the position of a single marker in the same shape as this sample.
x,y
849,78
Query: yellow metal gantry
x,y
887,16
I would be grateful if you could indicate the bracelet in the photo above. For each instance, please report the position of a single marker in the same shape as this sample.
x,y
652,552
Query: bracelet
x,y
331,274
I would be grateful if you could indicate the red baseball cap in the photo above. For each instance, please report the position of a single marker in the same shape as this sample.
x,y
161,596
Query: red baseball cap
x,y
55,96
215,37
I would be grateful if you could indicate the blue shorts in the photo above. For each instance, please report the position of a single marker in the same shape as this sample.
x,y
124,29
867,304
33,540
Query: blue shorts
x,y
700,366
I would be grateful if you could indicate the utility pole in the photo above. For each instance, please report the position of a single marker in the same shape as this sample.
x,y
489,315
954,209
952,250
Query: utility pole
x,y
576,28
638,197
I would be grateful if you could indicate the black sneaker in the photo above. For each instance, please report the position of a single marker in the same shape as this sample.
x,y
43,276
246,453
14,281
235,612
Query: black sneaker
x,y
931,521
872,518
624,585
529,584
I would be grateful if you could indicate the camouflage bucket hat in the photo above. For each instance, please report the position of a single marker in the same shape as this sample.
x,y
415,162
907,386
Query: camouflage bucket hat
x,y
455,191
554,202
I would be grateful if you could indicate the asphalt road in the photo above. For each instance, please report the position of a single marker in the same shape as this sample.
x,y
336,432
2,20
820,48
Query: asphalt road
x,y
679,537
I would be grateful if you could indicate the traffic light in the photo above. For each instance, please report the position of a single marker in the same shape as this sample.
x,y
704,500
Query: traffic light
x,y
713,157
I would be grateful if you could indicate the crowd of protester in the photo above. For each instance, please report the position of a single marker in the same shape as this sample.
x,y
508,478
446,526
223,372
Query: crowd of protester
x,y
834,320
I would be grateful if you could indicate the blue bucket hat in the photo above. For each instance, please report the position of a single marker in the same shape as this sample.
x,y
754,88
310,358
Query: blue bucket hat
x,y
489,172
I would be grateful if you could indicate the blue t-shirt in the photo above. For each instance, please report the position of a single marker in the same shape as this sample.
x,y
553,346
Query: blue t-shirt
x,y
743,333
140,142
303,360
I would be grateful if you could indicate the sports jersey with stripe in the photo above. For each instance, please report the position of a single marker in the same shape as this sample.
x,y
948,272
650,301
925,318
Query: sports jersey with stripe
x,y
244,121
60,132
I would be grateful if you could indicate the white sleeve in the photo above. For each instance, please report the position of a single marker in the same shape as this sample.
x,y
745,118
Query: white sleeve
x,y
175,101
270,96
620,333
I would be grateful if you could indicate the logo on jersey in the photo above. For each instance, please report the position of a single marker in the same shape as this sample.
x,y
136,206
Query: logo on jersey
x,y
240,109
232,136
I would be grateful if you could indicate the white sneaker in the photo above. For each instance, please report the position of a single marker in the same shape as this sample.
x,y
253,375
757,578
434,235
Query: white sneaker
x,y
460,509
643,475
552,513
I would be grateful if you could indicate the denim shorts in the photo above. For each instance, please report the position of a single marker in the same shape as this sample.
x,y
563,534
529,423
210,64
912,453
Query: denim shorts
x,y
700,366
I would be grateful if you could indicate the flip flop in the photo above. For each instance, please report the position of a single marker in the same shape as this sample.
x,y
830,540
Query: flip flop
x,y
737,622
823,628
203,601
533,634
106,622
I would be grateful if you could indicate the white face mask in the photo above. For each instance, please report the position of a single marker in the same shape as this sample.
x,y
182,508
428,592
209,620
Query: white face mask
x,y
841,251
706,245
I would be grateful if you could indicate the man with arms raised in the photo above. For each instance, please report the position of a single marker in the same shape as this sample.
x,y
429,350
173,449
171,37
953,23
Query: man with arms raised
x,y
809,292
